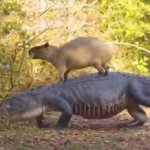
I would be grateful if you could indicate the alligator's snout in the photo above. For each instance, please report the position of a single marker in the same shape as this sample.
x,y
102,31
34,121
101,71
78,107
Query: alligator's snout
x,y
21,107
3,111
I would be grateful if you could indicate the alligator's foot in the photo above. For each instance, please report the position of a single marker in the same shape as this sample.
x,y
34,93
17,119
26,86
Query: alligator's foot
x,y
59,128
43,123
133,123
137,113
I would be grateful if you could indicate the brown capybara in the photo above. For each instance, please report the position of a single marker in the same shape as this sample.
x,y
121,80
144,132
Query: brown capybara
x,y
76,54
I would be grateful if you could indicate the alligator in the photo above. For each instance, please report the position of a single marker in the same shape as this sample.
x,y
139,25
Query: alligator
x,y
89,96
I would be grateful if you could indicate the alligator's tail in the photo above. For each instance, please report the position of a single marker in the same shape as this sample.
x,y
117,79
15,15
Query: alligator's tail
x,y
140,91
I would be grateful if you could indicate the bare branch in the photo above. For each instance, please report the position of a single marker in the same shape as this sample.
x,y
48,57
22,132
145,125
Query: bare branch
x,y
129,44
51,7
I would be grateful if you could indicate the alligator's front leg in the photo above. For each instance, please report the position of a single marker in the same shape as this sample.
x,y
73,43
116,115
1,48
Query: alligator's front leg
x,y
132,123
65,116
42,122
64,107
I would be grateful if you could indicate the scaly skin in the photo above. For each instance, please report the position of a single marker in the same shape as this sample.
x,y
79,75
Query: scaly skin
x,y
89,96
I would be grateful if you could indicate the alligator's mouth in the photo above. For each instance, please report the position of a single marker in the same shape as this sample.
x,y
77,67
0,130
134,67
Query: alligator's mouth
x,y
28,114
7,113
33,113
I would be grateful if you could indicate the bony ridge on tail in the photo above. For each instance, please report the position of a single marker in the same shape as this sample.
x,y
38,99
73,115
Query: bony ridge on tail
x,y
76,54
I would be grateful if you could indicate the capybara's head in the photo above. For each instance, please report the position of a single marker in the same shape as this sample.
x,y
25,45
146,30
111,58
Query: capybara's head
x,y
38,51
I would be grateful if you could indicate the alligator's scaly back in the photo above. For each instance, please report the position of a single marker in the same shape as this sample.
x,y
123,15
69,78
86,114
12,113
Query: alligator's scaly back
x,y
89,96
140,90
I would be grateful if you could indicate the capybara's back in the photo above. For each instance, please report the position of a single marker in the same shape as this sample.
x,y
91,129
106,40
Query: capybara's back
x,y
83,52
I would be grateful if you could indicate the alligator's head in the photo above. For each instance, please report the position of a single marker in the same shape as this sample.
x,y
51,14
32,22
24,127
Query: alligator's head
x,y
21,107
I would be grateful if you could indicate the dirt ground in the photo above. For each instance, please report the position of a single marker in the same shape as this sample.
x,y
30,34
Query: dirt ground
x,y
81,135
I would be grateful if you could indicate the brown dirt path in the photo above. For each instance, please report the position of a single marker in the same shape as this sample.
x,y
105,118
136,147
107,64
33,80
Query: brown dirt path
x,y
82,135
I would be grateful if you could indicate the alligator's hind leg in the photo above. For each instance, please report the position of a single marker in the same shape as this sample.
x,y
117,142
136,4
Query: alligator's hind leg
x,y
138,114
42,122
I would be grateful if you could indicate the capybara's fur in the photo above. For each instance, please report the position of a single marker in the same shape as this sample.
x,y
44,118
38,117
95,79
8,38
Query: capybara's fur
x,y
76,54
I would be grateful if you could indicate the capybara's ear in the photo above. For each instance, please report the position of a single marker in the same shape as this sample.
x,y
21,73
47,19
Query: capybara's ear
x,y
46,44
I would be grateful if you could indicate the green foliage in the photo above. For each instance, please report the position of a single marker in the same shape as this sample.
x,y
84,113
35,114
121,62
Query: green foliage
x,y
12,39
141,65
112,20
7,27
128,21
8,7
